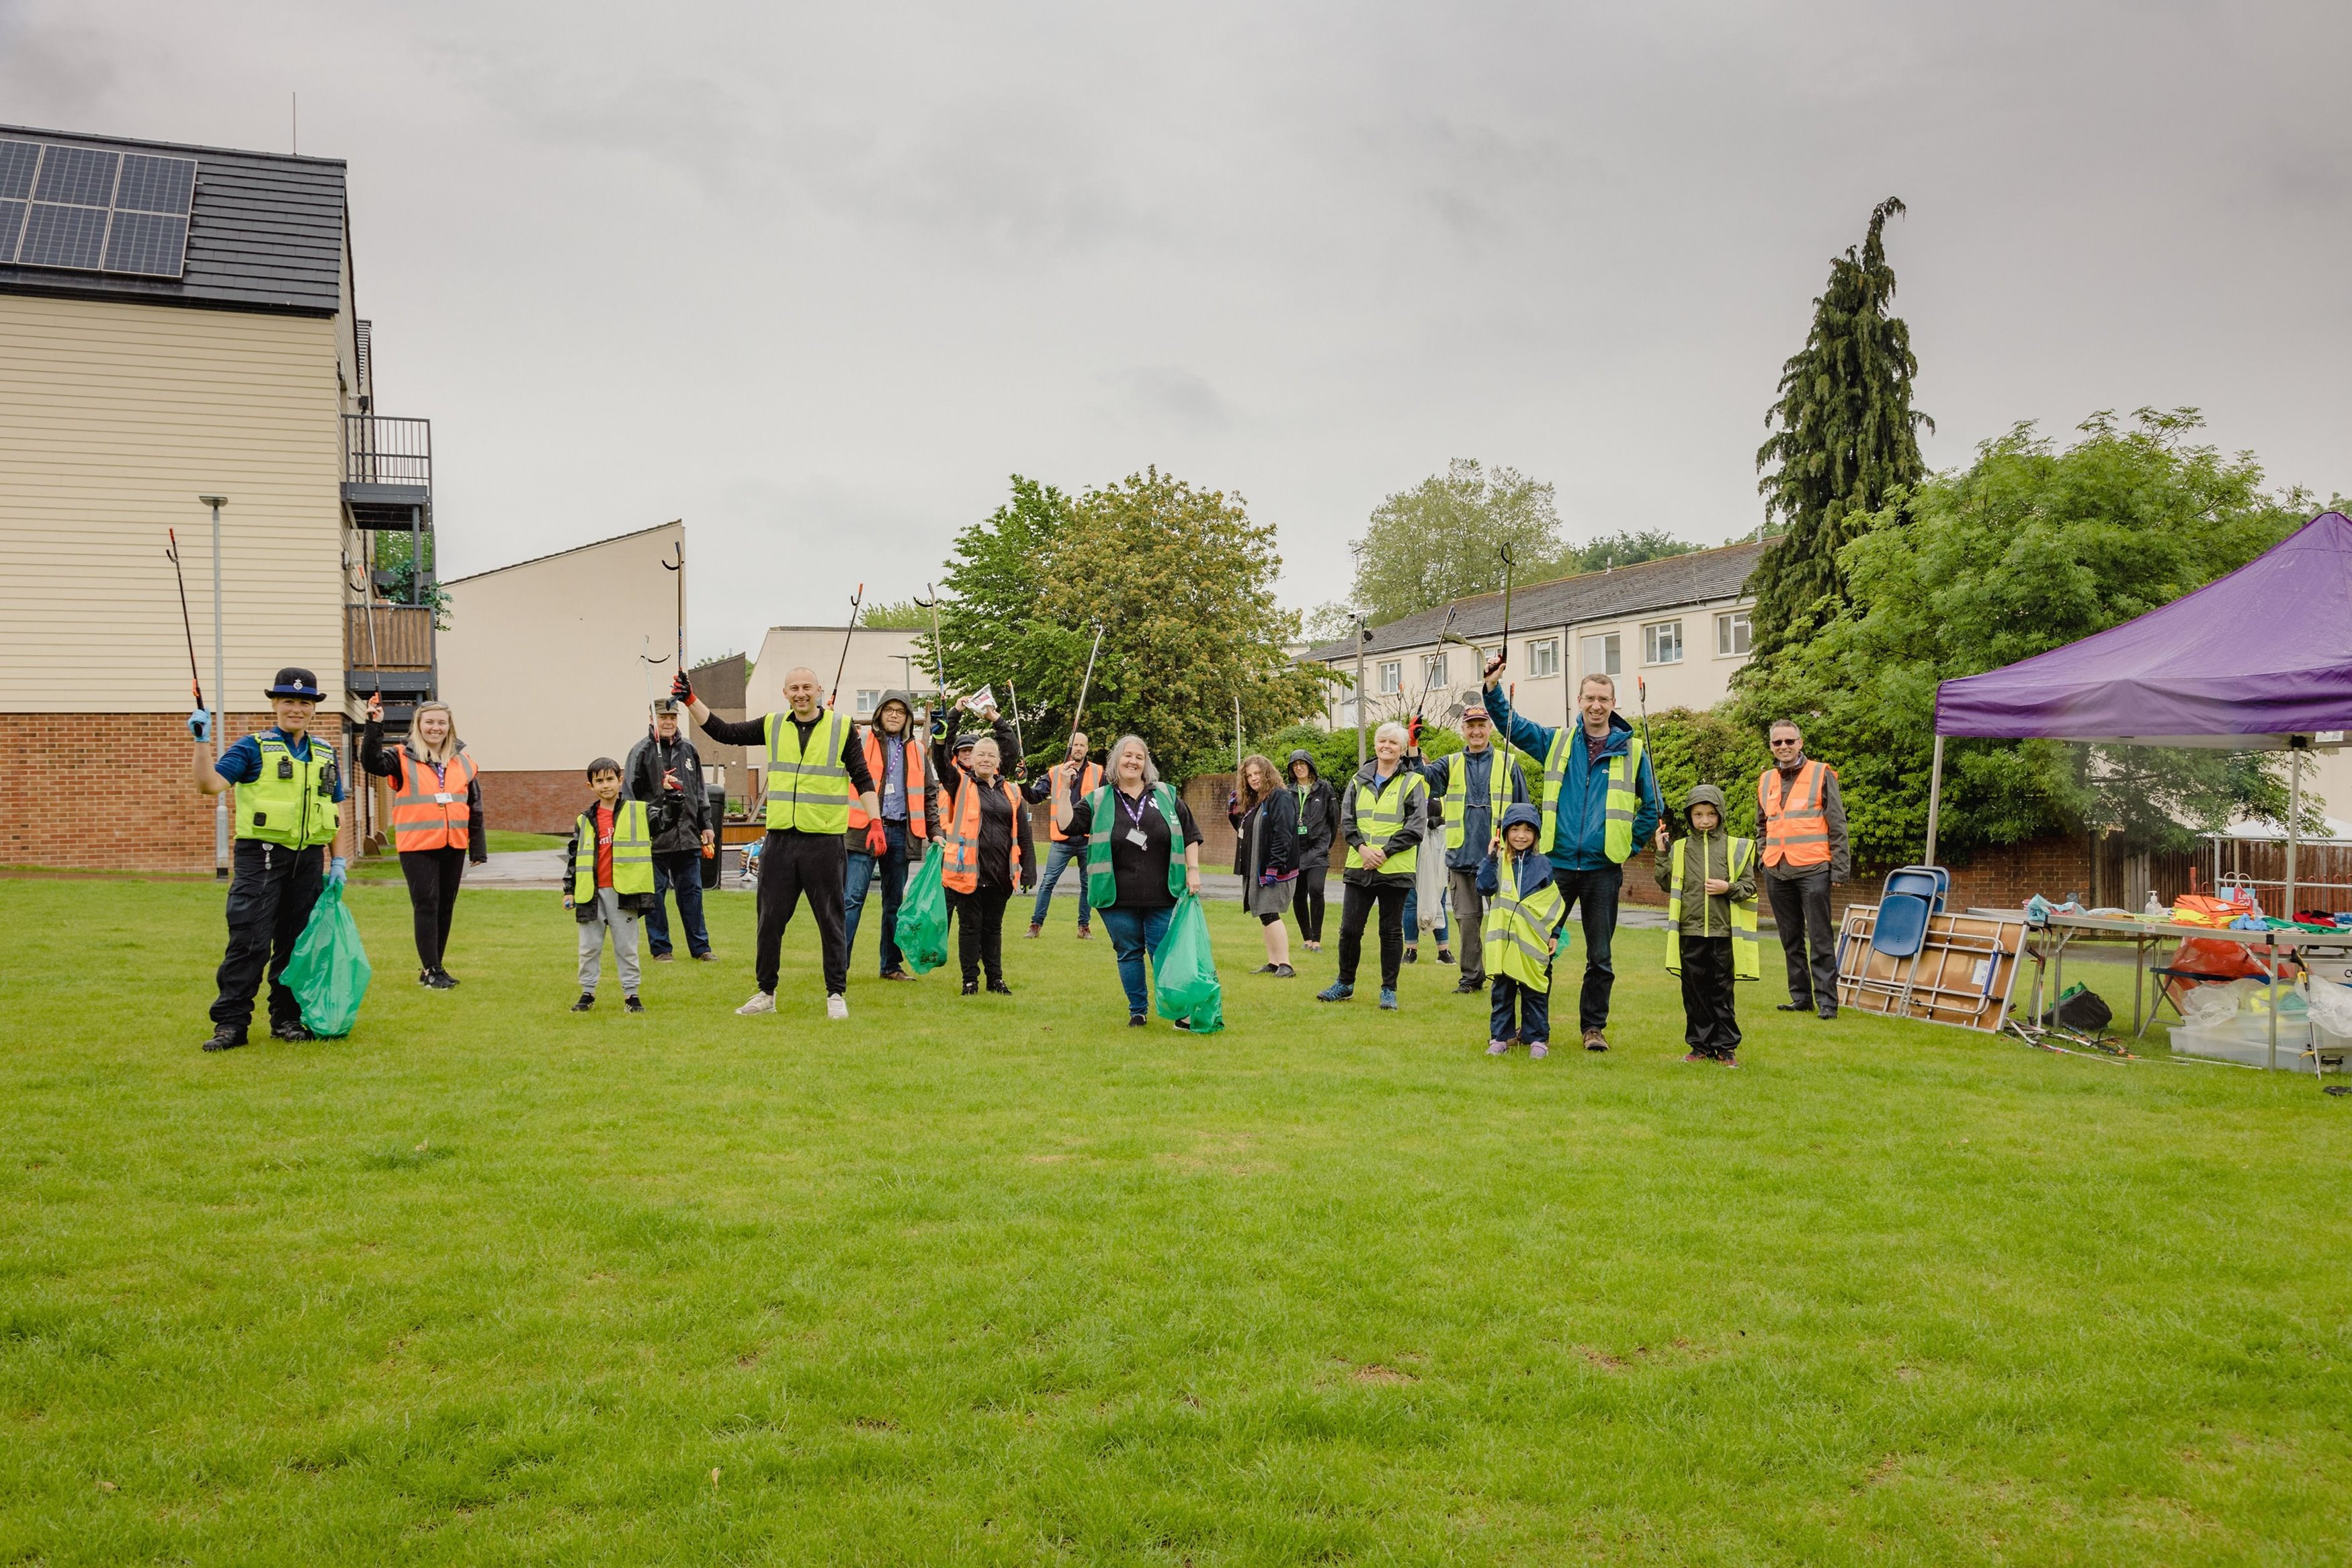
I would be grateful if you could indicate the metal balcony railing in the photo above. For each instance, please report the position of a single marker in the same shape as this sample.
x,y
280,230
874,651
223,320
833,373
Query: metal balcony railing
x,y
381,450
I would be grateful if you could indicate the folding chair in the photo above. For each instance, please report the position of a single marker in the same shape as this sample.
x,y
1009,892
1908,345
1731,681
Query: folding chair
x,y
1897,932
1931,883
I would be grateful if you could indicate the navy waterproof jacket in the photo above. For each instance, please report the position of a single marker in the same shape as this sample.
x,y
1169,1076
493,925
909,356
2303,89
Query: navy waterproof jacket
x,y
1580,837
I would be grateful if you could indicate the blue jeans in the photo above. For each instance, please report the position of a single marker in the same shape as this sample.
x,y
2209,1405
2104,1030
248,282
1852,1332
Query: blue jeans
x,y
1412,917
679,871
1132,931
1534,1022
1061,853
891,864
1597,892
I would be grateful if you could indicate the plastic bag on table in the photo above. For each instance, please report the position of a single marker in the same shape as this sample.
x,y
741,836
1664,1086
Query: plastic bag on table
x,y
922,928
329,972
1184,971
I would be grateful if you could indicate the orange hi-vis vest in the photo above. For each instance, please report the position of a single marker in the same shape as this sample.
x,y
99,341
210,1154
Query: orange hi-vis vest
x,y
963,871
430,811
917,824
1796,829
1089,783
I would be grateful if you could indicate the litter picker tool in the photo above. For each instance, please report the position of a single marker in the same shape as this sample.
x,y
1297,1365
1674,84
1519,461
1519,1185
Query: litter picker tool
x,y
1429,676
1012,705
678,566
172,554
1088,683
938,648
1666,812
854,600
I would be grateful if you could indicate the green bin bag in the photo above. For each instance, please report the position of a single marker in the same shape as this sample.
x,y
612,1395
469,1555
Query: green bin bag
x,y
923,915
1184,972
329,972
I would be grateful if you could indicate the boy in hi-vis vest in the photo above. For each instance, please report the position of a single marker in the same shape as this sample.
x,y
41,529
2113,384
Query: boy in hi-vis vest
x,y
1709,878
1524,922
608,881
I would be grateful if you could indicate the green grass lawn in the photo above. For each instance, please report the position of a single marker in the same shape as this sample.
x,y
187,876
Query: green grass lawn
x,y
1000,1281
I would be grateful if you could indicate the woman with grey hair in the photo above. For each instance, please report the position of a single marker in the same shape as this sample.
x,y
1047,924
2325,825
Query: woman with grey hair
x,y
1132,825
1381,818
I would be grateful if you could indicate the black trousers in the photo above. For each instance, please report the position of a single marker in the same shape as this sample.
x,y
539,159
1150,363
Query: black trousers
x,y
1709,1025
270,891
793,863
1308,902
979,934
1800,908
433,878
1355,908
1594,894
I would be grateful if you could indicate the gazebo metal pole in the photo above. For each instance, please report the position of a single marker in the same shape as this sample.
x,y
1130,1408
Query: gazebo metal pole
x,y
2293,815
1935,797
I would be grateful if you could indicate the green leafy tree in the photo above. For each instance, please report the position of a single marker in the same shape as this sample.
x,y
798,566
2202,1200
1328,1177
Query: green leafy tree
x,y
1847,442
1438,541
2026,550
900,615
1689,746
1629,548
989,609
1183,581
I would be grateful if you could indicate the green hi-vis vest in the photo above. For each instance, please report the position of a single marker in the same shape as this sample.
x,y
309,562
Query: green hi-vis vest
x,y
1745,963
808,791
1624,793
293,802
633,853
1499,794
1380,812
1521,933
1102,884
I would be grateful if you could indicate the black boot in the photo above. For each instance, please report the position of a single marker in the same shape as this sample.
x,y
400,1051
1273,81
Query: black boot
x,y
290,1030
227,1037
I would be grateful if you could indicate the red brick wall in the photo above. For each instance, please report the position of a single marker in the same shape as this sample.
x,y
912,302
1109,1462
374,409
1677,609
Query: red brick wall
x,y
519,801
109,792
1993,879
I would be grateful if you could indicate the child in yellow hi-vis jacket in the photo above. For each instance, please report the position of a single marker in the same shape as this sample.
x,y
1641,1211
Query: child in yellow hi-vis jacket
x,y
1709,879
1523,926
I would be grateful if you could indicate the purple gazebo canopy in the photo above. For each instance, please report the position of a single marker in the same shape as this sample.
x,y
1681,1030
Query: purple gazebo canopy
x,y
2243,662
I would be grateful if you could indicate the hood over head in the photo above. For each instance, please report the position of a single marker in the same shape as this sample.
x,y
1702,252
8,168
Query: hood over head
x,y
904,699
1294,759
1521,813
1705,795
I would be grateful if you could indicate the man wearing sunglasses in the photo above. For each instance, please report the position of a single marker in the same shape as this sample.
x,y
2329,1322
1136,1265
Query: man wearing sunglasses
x,y
1802,823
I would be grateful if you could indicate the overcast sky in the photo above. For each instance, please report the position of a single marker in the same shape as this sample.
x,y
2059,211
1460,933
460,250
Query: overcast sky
x,y
817,278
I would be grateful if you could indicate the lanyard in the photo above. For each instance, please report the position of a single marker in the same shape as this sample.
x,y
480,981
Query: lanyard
x,y
1134,813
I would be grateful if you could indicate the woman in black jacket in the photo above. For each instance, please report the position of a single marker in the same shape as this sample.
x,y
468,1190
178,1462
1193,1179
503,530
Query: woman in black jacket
x,y
436,822
983,828
1265,855
1316,808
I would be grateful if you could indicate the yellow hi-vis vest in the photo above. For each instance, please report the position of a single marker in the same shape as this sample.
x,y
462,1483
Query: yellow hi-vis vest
x,y
1624,793
1499,793
1522,933
1745,963
808,791
293,802
1381,811
633,851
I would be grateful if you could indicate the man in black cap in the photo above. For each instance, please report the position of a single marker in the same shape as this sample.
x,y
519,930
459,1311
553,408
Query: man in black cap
x,y
289,795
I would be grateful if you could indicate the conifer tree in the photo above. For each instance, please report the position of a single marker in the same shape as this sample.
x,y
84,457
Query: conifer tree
x,y
1846,436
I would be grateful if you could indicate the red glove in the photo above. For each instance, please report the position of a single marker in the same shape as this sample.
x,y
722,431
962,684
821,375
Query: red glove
x,y
876,841
682,688
1412,733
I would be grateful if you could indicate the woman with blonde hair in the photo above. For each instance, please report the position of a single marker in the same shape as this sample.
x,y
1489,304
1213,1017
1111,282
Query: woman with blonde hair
x,y
1265,855
437,821
1132,824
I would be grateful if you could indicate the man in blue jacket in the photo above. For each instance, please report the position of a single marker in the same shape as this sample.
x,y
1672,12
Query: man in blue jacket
x,y
1601,801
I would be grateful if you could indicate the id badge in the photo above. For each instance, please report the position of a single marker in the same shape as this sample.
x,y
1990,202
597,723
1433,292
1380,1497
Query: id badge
x,y
1136,837
443,799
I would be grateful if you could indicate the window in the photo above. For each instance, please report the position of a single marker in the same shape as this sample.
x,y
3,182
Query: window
x,y
1731,634
1600,654
1661,643
866,699
1543,658
1433,670
1391,676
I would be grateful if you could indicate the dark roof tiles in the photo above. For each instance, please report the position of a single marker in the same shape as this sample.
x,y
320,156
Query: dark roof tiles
x,y
1695,578
266,234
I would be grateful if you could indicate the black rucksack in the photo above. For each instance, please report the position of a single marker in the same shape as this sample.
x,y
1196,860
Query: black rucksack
x,y
2080,1008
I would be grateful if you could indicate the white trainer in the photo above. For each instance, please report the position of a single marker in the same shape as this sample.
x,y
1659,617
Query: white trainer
x,y
836,1006
765,1002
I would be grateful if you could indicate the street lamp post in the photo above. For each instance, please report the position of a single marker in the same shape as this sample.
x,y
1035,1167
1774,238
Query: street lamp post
x,y
220,685
1363,635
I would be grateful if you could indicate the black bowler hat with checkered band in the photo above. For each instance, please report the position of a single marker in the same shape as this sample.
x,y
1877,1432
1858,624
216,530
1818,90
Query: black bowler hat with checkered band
x,y
295,682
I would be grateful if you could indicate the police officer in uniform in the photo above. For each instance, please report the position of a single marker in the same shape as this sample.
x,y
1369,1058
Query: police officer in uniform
x,y
289,795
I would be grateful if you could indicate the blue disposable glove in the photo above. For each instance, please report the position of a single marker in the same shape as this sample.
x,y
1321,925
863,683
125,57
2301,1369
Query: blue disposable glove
x,y
200,724
335,871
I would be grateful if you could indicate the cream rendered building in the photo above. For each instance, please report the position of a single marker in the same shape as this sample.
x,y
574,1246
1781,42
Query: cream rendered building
x,y
177,322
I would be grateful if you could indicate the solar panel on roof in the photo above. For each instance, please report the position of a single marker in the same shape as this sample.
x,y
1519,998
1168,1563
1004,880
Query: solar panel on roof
x,y
17,161
95,211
